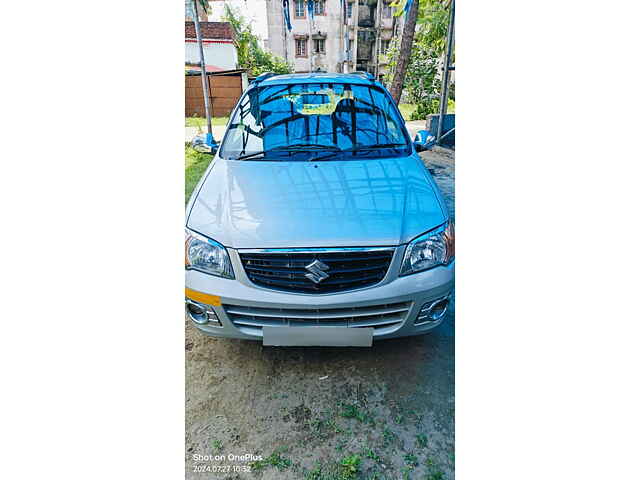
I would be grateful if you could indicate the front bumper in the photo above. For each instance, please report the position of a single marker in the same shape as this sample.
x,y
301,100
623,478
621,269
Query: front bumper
x,y
414,290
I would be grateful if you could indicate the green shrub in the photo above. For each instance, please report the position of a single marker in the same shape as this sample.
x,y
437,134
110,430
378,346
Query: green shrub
x,y
350,467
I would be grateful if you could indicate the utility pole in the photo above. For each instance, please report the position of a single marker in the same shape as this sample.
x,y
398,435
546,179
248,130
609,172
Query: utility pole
x,y
446,67
284,38
343,55
356,19
203,74
378,30
310,51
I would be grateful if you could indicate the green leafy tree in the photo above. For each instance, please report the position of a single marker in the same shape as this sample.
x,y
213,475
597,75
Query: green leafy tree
x,y
421,77
250,54
433,19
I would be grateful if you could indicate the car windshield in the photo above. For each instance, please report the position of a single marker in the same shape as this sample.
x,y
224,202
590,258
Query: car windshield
x,y
324,120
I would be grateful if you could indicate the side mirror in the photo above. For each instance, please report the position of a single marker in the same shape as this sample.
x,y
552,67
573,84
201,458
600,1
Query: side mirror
x,y
204,143
424,141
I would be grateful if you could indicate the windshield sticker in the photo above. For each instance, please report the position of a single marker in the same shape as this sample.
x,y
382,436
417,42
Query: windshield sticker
x,y
319,102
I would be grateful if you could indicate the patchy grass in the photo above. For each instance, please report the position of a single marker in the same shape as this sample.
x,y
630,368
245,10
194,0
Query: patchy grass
x,y
411,460
323,426
202,122
438,475
195,164
406,109
216,445
275,460
421,440
368,453
350,467
351,410
315,474
388,437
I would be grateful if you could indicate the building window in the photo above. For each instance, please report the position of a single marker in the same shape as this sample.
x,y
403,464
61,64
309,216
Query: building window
x,y
301,47
318,45
300,13
349,9
384,46
386,11
318,7
350,45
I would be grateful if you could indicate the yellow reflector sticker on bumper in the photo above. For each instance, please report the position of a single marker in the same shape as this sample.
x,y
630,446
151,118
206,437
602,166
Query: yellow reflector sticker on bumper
x,y
202,297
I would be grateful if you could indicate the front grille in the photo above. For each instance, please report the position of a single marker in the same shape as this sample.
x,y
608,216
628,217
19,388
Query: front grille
x,y
377,316
345,269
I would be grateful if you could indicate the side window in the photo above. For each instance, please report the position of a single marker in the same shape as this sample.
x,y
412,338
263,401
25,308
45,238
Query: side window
x,y
318,46
301,47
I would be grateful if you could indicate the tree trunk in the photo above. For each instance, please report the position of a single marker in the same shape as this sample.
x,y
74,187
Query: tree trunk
x,y
405,51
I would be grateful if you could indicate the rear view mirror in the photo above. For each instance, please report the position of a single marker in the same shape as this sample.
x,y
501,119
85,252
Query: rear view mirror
x,y
424,141
204,143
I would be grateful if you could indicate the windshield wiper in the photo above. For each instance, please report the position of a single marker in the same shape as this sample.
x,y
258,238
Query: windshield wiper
x,y
250,155
361,148
374,147
305,147
296,148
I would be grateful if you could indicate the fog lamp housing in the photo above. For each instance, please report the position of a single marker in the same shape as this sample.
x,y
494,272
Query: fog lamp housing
x,y
432,311
201,314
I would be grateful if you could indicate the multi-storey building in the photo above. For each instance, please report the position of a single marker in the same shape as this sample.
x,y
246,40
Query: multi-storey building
x,y
332,35
189,12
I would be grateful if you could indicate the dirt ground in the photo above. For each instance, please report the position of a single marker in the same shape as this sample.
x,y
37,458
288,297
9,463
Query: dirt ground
x,y
385,412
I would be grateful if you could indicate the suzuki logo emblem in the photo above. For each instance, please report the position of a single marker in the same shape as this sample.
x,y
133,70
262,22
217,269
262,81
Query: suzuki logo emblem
x,y
316,269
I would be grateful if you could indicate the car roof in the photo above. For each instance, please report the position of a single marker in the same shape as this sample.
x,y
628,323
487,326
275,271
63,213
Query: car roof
x,y
293,78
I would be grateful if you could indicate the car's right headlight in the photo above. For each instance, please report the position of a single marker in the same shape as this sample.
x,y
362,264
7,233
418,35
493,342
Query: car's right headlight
x,y
206,255
434,248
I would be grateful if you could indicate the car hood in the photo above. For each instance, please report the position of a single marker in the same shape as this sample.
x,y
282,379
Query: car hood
x,y
369,202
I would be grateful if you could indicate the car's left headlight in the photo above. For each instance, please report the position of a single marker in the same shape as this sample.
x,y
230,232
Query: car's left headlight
x,y
206,255
434,248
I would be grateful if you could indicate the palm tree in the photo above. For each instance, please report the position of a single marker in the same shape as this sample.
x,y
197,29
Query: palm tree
x,y
408,32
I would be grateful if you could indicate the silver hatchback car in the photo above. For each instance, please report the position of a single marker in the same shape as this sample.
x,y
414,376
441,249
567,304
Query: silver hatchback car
x,y
317,223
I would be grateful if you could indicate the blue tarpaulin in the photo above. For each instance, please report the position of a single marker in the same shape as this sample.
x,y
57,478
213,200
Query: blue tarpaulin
x,y
285,9
310,7
407,6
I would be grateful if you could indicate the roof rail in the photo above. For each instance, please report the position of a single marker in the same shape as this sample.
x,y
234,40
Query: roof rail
x,y
263,76
366,75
